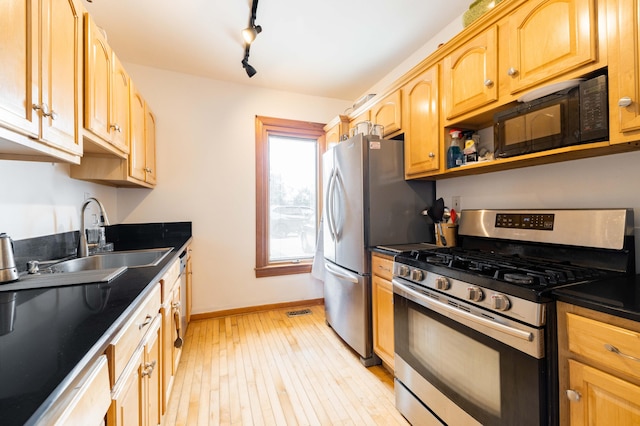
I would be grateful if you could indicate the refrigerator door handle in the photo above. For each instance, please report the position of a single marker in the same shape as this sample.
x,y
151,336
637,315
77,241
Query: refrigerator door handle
x,y
329,204
342,274
338,188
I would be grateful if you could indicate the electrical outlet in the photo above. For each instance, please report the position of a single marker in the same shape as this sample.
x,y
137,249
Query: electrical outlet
x,y
455,203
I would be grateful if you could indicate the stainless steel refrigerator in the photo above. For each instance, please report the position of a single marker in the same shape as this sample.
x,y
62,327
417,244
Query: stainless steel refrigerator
x,y
367,203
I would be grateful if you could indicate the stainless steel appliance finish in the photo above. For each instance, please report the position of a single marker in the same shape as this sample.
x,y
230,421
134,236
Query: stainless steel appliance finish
x,y
8,270
367,203
475,324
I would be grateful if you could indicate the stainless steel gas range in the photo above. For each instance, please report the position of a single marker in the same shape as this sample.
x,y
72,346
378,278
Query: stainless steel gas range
x,y
475,328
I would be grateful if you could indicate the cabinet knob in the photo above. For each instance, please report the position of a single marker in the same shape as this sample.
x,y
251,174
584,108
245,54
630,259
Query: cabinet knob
x,y
432,155
625,102
488,82
512,72
116,128
52,114
148,368
573,395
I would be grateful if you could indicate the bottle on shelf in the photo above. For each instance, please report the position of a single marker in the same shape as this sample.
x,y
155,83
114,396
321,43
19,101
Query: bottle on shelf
x,y
454,153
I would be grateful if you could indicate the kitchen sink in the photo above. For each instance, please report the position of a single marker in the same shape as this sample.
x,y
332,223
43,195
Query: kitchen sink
x,y
98,268
109,260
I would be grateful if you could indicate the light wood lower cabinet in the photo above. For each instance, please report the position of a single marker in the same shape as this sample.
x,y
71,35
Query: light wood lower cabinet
x,y
170,283
382,308
599,368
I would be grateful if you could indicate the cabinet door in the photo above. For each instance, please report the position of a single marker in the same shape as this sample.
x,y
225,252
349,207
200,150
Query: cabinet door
x,y
150,146
598,398
120,105
548,38
189,286
388,113
97,87
382,301
61,45
20,65
422,125
624,75
470,75
126,408
137,151
151,373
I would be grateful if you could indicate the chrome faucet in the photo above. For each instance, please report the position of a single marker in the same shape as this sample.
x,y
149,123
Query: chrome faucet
x,y
83,249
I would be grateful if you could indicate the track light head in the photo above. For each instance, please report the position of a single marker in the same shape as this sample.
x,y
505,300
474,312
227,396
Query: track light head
x,y
249,34
251,71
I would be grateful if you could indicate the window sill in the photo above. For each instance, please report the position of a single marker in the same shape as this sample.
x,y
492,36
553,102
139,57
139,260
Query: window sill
x,y
277,269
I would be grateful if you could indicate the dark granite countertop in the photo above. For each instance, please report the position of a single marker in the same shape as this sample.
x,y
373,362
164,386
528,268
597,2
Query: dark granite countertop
x,y
616,296
56,333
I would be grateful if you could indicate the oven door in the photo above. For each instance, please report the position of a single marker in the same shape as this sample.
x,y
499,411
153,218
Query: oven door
x,y
458,374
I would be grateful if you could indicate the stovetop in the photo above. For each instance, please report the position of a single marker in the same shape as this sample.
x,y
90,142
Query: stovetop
x,y
528,253
528,278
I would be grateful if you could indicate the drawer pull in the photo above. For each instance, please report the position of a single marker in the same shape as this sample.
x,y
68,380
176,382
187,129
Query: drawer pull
x,y
616,351
147,321
384,269
573,395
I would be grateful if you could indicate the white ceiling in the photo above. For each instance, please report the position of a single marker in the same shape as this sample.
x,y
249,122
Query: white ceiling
x,y
329,48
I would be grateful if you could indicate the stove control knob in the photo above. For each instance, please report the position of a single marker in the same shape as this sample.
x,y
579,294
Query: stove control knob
x,y
403,271
475,294
500,302
417,275
442,283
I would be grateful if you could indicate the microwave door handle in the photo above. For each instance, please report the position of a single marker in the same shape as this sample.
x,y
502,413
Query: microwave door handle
x,y
428,303
344,275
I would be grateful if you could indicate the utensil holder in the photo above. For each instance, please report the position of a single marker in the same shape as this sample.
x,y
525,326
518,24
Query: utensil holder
x,y
450,232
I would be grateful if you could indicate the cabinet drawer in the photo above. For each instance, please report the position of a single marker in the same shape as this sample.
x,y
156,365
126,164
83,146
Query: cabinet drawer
x,y
124,344
91,399
590,339
382,266
169,279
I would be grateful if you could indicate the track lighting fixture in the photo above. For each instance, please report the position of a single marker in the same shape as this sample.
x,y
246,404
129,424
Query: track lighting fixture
x,y
251,71
249,35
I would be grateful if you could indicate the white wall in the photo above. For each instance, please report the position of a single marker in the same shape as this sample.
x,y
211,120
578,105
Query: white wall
x,y
206,174
40,199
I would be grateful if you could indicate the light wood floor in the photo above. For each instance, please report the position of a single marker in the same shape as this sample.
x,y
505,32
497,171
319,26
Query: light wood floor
x,y
269,369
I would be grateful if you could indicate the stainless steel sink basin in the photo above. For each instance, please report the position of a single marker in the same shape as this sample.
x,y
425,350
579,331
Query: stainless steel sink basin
x,y
115,259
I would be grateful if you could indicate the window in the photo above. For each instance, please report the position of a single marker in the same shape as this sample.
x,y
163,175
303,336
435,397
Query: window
x,y
288,194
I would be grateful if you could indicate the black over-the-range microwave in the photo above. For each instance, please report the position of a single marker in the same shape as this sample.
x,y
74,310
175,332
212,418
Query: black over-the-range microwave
x,y
574,115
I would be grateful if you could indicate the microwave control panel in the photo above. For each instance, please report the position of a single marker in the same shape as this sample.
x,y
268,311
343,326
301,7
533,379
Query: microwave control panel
x,y
538,221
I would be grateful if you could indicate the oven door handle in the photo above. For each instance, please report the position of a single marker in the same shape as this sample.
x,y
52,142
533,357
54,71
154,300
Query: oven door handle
x,y
430,303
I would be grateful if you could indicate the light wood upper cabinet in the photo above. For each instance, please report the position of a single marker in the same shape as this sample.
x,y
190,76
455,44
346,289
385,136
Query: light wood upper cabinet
x,y
388,113
470,74
142,157
19,81
421,125
335,130
548,38
106,113
149,145
41,78
624,75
